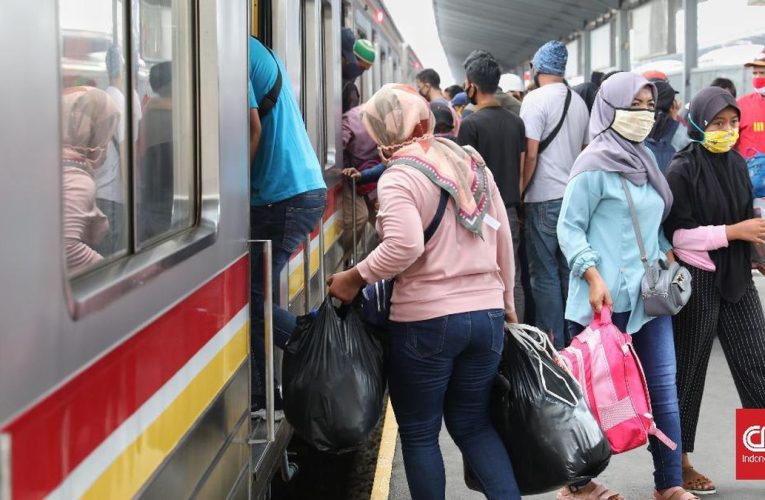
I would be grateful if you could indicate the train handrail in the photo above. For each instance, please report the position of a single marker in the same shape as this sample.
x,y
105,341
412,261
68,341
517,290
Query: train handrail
x,y
355,256
268,320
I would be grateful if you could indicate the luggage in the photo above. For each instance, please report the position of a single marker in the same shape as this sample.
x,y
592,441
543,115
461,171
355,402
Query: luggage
x,y
603,361
333,379
756,166
539,411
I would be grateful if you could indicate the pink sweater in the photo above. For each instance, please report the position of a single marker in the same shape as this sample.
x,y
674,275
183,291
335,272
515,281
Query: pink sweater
x,y
692,245
457,271
84,224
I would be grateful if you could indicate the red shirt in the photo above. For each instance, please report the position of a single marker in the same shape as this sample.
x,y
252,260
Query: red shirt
x,y
752,126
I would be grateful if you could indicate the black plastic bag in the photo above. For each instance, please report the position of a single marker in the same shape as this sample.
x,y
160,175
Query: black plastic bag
x,y
539,411
333,379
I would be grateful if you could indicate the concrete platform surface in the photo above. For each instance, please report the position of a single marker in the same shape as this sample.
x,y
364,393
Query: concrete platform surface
x,y
631,473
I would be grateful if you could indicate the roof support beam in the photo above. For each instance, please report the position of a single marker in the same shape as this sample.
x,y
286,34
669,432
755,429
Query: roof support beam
x,y
623,40
691,49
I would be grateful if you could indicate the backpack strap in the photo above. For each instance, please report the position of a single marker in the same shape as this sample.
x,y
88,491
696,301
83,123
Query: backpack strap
x,y
433,226
269,100
548,140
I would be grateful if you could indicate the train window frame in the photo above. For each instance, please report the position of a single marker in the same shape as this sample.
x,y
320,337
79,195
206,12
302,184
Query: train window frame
x,y
102,285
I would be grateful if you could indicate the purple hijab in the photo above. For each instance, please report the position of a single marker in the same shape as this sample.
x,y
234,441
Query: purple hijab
x,y
608,151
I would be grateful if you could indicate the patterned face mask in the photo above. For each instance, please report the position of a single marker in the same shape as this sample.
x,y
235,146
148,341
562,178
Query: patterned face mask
x,y
717,141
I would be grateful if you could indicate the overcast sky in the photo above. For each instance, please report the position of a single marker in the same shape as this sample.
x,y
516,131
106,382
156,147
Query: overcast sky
x,y
417,24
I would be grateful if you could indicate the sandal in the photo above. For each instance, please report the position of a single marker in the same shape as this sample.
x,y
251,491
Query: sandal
x,y
595,492
698,484
675,493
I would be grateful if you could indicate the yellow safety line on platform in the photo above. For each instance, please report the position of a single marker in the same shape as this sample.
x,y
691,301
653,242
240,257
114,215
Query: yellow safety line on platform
x,y
381,486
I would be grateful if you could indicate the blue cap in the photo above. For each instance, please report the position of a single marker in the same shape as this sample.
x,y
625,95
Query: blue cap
x,y
460,99
551,58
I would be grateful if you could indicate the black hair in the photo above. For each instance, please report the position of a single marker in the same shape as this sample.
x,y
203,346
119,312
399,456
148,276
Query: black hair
x,y
724,83
160,78
453,90
483,70
430,77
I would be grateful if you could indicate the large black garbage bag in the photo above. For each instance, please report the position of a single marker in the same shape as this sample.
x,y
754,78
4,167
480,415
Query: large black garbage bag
x,y
539,411
333,379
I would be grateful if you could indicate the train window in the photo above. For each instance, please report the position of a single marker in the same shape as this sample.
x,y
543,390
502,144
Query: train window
x,y
127,119
164,153
93,132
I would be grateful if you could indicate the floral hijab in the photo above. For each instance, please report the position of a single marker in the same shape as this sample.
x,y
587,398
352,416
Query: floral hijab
x,y
88,121
399,120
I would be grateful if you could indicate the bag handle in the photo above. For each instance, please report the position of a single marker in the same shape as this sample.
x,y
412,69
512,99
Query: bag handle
x,y
540,343
638,235
604,316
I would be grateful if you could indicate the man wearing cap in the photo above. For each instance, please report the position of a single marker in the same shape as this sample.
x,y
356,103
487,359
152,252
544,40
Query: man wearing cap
x,y
357,57
549,157
752,125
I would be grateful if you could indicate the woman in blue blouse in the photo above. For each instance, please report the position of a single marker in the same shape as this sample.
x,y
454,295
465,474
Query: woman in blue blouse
x,y
596,236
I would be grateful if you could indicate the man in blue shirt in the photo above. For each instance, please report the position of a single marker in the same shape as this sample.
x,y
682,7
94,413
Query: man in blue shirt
x,y
287,192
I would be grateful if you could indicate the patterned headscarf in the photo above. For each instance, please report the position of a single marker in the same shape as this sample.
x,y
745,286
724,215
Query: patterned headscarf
x,y
399,120
89,119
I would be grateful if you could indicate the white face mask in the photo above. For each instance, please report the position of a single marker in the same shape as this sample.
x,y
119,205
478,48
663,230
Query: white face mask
x,y
633,124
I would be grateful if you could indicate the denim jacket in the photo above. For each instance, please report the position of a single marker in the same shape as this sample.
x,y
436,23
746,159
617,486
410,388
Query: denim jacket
x,y
595,229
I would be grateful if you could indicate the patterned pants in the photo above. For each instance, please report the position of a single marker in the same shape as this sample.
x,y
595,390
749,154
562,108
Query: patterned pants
x,y
741,329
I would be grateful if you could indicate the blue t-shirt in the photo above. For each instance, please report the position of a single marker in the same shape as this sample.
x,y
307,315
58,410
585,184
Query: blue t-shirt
x,y
285,164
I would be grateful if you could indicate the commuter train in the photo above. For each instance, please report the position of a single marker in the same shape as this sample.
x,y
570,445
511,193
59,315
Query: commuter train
x,y
124,367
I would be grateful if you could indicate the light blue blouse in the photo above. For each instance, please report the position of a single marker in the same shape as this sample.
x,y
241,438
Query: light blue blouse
x,y
595,229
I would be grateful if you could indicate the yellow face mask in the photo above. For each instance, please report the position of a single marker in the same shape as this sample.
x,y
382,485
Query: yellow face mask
x,y
720,141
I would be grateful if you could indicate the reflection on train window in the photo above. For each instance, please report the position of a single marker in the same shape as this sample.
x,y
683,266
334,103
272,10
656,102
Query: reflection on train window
x,y
126,119
164,154
93,132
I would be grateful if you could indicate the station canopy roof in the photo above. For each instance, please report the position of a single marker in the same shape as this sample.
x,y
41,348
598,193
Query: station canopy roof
x,y
512,30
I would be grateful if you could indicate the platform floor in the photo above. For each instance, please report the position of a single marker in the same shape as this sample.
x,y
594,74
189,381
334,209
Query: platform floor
x,y
631,473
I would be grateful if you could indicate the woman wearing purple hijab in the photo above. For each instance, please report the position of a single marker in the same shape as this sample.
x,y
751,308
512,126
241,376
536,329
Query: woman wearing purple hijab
x,y
596,235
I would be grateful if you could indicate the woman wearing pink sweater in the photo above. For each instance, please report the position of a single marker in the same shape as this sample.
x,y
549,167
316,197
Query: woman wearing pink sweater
x,y
450,300
89,119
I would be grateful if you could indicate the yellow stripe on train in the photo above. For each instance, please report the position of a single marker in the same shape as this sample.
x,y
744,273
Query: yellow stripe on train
x,y
333,229
125,476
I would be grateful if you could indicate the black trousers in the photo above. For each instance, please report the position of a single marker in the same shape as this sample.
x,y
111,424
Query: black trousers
x,y
741,329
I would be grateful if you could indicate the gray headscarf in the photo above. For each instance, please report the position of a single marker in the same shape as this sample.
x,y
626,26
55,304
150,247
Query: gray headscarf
x,y
610,152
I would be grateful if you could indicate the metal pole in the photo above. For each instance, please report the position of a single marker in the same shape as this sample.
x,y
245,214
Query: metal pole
x,y
355,257
690,50
268,324
586,55
322,272
307,274
623,40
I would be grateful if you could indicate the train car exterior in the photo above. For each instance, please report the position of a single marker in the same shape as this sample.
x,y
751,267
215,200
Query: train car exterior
x,y
125,375
124,367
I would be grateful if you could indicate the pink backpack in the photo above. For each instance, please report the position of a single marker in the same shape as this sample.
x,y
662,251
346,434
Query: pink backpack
x,y
603,361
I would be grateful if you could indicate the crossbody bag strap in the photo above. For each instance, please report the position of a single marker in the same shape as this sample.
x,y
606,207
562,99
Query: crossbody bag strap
x,y
433,226
268,101
638,234
548,140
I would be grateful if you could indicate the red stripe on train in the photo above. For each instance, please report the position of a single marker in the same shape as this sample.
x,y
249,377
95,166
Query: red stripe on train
x,y
50,439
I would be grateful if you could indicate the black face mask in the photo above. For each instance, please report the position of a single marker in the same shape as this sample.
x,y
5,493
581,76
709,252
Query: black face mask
x,y
471,97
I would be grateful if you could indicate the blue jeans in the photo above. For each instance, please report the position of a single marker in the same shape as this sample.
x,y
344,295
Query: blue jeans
x,y
548,269
443,368
286,223
655,346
